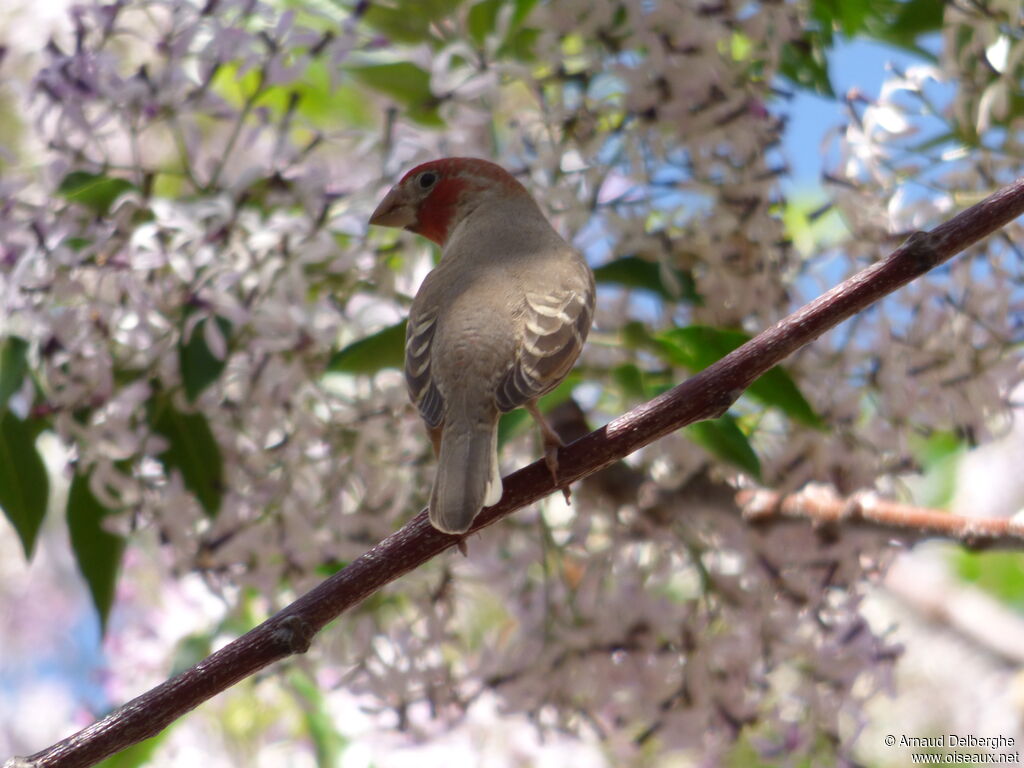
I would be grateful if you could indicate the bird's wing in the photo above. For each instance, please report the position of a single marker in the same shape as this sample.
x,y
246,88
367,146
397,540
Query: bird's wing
x,y
556,325
419,334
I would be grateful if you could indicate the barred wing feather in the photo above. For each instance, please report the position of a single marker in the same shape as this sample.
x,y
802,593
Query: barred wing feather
x,y
557,324
422,390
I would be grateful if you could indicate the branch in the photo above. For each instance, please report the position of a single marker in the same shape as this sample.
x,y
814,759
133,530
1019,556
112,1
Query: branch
x,y
822,506
705,395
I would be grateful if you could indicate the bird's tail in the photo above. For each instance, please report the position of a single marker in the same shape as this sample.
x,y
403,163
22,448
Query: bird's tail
x,y
468,478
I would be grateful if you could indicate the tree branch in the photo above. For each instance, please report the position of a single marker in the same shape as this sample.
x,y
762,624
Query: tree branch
x,y
822,506
705,395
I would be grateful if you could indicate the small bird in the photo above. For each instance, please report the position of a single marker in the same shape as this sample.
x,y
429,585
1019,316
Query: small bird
x,y
498,323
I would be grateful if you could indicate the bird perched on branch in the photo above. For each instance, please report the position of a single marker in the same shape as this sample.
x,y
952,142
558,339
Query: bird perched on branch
x,y
498,323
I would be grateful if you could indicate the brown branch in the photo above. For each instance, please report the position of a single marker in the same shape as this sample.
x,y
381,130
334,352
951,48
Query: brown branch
x,y
820,505
705,395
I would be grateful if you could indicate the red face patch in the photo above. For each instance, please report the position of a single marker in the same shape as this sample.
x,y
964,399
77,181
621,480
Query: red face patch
x,y
437,211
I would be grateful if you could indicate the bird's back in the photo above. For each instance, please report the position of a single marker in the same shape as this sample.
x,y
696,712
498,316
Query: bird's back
x,y
495,260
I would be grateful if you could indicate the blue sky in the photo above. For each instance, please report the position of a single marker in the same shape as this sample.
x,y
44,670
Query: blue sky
x,y
858,63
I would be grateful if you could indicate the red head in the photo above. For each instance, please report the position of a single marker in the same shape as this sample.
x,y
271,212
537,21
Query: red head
x,y
434,197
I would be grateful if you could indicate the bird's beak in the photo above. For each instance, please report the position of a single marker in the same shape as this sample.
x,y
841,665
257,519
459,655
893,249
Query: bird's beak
x,y
395,210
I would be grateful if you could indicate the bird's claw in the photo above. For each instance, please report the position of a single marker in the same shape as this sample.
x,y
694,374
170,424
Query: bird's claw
x,y
551,460
552,442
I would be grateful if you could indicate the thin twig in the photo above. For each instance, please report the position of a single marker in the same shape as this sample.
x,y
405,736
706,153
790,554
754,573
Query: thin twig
x,y
820,505
705,395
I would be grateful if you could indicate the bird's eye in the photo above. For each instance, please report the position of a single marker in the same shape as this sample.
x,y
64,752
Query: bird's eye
x,y
427,179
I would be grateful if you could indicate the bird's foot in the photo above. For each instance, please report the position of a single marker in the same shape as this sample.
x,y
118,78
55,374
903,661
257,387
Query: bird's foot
x,y
551,460
552,442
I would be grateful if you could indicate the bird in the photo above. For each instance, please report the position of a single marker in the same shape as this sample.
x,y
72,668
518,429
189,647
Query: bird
x,y
499,322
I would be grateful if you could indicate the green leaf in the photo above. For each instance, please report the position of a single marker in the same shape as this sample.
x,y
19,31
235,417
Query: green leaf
x,y
635,272
811,225
999,573
137,755
850,14
93,190
938,447
939,454
347,105
630,380
915,18
635,335
524,8
406,22
97,551
311,95
24,486
191,650
328,742
235,86
697,346
330,567
199,368
805,64
521,45
316,97
384,349
407,84
723,439
482,22
192,450
511,425
918,17
896,22
481,19
13,351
